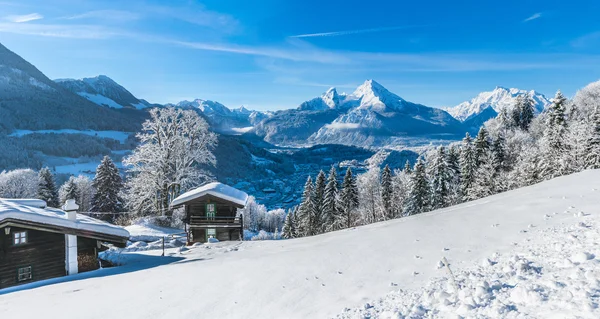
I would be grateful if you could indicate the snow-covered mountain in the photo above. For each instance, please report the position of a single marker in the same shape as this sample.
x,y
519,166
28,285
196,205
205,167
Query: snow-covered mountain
x,y
488,104
102,90
30,100
222,118
369,116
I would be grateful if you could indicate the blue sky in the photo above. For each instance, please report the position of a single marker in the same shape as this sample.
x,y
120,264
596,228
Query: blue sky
x,y
275,54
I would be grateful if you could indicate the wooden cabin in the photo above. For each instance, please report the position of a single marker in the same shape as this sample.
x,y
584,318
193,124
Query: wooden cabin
x,y
211,211
38,243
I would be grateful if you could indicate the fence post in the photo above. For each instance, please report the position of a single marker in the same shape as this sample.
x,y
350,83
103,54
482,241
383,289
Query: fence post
x,y
163,247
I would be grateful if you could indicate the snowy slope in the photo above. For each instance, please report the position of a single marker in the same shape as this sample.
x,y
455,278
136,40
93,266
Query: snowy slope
x,y
498,99
321,276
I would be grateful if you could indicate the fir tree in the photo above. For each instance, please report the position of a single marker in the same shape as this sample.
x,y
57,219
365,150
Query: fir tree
x,y
482,145
108,184
467,166
289,228
592,145
69,191
320,185
407,168
47,188
527,112
553,146
498,150
484,183
440,179
306,210
453,160
349,199
330,200
418,196
387,192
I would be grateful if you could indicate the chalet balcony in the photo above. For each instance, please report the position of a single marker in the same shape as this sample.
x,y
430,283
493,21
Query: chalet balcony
x,y
215,222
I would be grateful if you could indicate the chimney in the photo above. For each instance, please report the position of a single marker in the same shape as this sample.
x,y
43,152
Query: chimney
x,y
71,208
72,266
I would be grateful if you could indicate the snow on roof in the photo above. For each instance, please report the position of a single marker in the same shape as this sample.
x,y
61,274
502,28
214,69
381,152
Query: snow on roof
x,y
216,189
30,210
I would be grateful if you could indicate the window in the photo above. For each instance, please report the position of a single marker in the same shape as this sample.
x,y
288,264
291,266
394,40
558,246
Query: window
x,y
24,273
211,210
20,238
211,232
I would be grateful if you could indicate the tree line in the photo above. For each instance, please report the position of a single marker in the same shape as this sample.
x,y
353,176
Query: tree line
x,y
512,150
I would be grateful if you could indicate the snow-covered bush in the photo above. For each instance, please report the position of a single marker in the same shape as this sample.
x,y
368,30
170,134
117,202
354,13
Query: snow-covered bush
x,y
19,183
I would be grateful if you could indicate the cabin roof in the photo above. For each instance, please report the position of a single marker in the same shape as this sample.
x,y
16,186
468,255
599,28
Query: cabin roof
x,y
216,189
35,211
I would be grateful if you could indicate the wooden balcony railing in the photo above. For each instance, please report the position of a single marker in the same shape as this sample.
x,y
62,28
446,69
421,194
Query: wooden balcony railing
x,y
217,220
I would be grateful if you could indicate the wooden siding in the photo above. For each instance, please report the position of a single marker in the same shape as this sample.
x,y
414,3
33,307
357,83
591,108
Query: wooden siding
x,y
44,252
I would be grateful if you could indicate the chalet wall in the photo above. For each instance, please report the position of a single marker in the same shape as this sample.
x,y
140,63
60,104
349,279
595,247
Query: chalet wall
x,y
44,252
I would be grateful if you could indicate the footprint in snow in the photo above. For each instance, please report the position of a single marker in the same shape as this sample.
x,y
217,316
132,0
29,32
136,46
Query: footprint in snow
x,y
495,225
446,249
415,273
339,272
418,257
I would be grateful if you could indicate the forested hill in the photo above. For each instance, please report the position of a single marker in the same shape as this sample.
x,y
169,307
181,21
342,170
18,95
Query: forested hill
x,y
30,100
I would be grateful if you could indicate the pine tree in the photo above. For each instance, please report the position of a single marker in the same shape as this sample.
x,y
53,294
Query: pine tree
x,y
498,150
453,160
306,210
482,145
330,200
407,168
418,196
553,147
484,183
527,112
349,200
69,191
387,192
47,188
467,166
108,184
320,184
592,145
289,228
440,179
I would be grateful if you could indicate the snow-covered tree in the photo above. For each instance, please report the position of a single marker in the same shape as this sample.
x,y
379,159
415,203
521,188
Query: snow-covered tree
x,y
554,149
18,183
108,185
453,160
587,100
523,112
467,166
400,186
369,192
253,215
387,192
499,153
418,197
592,145
306,210
320,184
174,143
330,201
407,167
47,188
87,191
441,178
348,200
289,227
68,191
485,181
482,145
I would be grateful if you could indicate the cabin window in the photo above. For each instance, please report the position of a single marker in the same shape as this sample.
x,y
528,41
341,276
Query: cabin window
x,y
24,273
20,238
211,232
211,211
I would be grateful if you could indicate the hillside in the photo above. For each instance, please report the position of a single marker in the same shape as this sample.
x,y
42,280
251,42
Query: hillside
x,y
32,101
504,251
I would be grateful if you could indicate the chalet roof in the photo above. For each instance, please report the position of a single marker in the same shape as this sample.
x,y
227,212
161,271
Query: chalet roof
x,y
35,211
216,189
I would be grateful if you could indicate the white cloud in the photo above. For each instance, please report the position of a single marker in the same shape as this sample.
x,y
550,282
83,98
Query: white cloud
x,y
533,17
342,126
106,15
24,18
349,32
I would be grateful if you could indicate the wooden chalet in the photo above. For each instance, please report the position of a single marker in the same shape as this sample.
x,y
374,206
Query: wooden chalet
x,y
38,243
211,211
